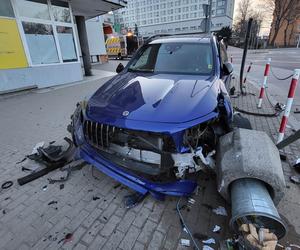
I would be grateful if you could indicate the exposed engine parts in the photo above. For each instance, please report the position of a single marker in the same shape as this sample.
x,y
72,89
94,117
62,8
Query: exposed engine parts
x,y
154,153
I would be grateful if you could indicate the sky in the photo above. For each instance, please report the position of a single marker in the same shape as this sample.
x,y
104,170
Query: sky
x,y
268,18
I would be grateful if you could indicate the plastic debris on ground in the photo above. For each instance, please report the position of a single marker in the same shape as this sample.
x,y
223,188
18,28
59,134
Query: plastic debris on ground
x,y
207,248
185,242
217,229
209,241
294,245
7,184
52,202
38,145
295,179
220,211
95,198
297,165
133,200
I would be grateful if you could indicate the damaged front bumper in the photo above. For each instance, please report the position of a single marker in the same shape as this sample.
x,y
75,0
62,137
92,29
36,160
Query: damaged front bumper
x,y
137,183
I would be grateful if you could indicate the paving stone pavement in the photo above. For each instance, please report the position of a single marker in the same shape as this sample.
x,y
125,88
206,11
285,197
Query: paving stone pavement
x,y
28,220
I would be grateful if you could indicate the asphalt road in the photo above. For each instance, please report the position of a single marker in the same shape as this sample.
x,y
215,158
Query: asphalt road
x,y
283,63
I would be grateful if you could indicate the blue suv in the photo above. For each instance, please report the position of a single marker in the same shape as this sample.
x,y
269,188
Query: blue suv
x,y
157,123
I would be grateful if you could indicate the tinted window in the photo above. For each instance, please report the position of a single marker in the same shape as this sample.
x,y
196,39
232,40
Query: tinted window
x,y
186,58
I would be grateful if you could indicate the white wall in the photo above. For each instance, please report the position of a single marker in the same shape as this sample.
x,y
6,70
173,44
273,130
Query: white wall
x,y
41,76
95,36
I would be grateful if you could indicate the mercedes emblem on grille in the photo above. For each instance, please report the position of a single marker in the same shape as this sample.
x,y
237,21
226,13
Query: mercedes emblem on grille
x,y
125,113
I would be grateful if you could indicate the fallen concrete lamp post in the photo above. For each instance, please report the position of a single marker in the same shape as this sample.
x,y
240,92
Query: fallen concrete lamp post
x,y
250,176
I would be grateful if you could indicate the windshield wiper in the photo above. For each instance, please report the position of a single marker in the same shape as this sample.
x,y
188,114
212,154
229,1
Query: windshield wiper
x,y
140,70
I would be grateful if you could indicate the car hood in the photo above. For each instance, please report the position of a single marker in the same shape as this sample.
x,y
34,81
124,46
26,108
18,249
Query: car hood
x,y
154,98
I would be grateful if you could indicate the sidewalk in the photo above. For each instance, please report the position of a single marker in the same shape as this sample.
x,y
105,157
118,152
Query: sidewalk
x,y
27,221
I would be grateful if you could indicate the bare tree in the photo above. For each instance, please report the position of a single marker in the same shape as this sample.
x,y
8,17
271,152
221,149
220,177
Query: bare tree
x,y
282,11
244,11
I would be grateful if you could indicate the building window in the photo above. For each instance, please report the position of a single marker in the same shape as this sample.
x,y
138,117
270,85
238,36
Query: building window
x,y
221,3
61,11
49,31
220,11
67,43
34,9
41,43
6,9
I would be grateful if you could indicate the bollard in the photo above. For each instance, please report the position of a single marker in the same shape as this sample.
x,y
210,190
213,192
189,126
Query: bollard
x,y
289,104
249,68
231,59
264,85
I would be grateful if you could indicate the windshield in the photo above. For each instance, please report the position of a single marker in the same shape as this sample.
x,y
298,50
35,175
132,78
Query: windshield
x,y
180,58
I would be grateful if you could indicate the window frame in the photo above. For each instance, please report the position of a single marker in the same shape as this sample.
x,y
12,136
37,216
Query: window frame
x,y
54,24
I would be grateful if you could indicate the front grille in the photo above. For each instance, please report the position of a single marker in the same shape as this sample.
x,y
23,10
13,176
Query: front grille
x,y
98,134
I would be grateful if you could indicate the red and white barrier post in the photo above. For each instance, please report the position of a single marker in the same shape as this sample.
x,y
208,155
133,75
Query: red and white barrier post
x,y
249,68
289,104
264,85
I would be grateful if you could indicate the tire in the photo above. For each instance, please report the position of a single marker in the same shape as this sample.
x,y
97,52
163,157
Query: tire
x,y
241,122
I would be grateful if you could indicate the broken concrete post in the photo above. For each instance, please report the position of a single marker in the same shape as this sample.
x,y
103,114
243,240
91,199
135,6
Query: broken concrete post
x,y
245,153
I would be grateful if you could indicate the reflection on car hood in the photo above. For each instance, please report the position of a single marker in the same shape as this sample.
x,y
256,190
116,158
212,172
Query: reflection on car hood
x,y
154,98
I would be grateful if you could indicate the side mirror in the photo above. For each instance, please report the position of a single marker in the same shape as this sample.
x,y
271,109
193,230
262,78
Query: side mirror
x,y
119,68
227,68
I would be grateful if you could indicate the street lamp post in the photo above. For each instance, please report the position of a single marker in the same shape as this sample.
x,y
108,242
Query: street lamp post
x,y
207,9
209,16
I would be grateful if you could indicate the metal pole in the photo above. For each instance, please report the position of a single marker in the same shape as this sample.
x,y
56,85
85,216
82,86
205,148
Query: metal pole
x,y
209,17
85,51
245,55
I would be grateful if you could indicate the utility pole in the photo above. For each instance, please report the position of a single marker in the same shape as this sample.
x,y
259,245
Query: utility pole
x,y
209,17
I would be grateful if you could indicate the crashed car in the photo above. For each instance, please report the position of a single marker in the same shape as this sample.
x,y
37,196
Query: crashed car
x,y
157,122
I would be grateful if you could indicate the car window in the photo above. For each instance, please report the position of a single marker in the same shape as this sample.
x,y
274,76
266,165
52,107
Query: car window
x,y
186,58
143,59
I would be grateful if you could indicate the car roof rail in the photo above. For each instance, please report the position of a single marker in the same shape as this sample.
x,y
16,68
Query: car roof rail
x,y
151,38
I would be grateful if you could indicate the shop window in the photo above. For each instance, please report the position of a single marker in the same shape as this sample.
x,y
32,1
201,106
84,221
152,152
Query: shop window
x,y
6,9
33,9
67,43
61,11
41,43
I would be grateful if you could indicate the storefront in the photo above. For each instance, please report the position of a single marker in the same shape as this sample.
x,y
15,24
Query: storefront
x,y
39,42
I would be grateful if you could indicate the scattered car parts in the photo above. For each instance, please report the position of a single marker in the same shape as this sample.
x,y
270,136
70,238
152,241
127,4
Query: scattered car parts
x,y
7,184
52,158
